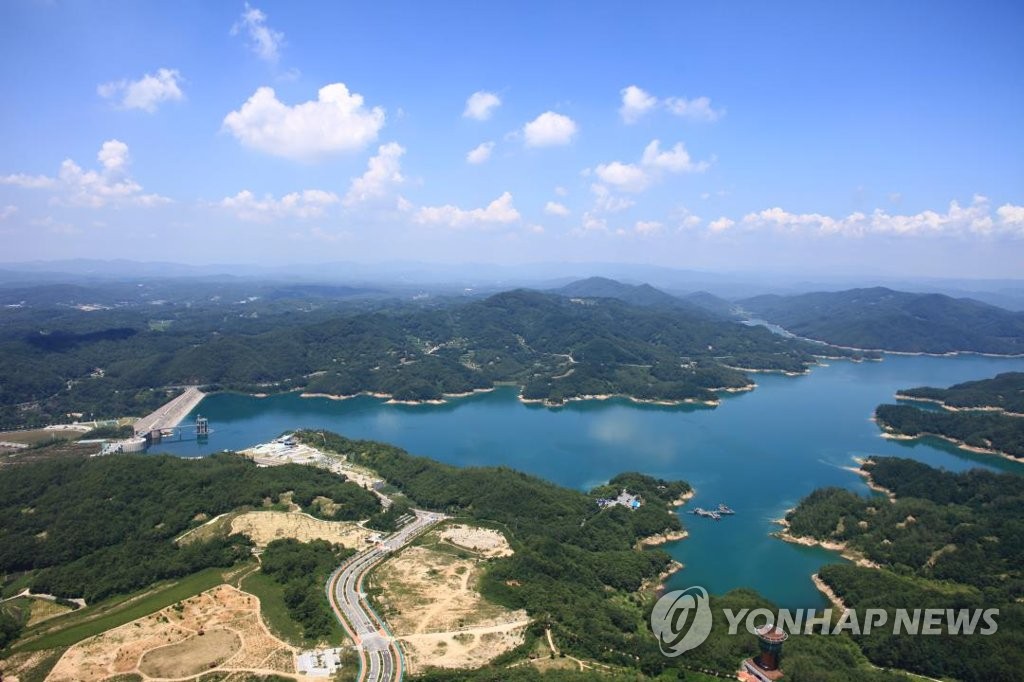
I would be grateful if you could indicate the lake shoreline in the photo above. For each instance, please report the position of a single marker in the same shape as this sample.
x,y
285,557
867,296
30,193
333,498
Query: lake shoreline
x,y
889,434
842,548
955,408
829,593
861,471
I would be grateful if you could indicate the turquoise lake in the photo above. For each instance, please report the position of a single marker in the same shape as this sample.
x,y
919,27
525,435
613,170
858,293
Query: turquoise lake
x,y
759,452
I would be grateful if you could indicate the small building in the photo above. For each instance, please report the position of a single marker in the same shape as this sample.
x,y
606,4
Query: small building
x,y
625,499
318,662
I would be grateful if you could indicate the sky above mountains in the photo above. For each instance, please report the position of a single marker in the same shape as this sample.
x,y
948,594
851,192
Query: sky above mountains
x,y
849,137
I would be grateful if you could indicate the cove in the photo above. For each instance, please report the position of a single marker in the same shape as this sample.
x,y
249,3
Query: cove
x,y
758,452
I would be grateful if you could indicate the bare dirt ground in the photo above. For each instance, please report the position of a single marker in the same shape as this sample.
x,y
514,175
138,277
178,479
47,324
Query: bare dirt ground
x,y
219,629
433,606
192,656
263,527
485,541
470,648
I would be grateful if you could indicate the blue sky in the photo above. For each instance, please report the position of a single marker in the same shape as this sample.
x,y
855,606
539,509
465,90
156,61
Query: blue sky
x,y
847,137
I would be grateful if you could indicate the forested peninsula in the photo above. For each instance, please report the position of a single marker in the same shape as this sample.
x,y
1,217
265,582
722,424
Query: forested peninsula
x,y
983,416
944,540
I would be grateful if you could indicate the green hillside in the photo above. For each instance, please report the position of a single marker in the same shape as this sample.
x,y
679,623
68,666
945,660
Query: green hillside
x,y
883,319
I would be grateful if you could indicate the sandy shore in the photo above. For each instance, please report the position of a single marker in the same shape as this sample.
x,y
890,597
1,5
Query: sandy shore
x,y
657,584
954,408
784,372
892,435
608,396
390,399
663,538
833,545
684,498
868,480
827,591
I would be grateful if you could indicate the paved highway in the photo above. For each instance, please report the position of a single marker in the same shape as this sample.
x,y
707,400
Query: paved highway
x,y
380,658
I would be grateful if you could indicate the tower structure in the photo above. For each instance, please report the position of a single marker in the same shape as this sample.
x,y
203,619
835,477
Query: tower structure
x,y
765,666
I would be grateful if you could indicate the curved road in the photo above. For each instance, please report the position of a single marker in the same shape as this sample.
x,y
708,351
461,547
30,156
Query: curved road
x,y
380,659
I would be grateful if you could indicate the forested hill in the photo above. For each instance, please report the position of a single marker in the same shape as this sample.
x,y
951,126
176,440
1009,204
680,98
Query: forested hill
x,y
883,319
634,294
949,540
1004,392
986,414
552,346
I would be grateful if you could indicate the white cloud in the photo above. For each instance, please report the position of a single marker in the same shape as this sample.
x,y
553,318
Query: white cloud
x,y
500,211
263,40
7,211
974,219
647,227
113,155
480,153
27,181
627,177
535,229
607,202
561,191
93,188
631,177
635,103
675,160
336,121
685,219
549,129
1011,215
383,172
146,93
594,223
555,208
721,224
310,203
481,105
697,109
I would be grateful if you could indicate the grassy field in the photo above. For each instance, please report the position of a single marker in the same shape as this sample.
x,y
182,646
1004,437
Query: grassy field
x,y
275,613
38,436
66,630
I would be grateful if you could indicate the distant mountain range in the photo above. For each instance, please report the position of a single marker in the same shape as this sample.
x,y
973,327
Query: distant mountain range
x,y
645,295
883,319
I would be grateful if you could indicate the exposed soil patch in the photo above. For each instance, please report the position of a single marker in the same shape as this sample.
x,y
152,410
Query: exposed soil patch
x,y
191,657
485,541
432,604
168,644
266,526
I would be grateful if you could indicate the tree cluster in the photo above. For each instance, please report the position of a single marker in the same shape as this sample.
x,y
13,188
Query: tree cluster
x,y
99,526
950,540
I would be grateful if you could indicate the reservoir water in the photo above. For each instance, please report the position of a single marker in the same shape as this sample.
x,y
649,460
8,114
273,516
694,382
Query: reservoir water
x,y
758,452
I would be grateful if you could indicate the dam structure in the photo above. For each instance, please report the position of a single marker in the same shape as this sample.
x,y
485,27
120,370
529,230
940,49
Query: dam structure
x,y
165,421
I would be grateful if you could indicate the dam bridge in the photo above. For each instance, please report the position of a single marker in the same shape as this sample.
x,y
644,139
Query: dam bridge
x,y
165,423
